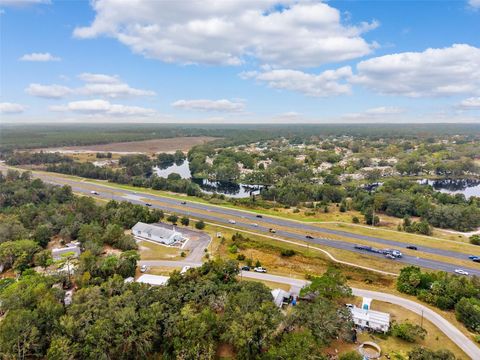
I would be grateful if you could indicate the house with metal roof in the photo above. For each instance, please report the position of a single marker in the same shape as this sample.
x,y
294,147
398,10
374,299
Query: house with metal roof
x,y
157,233
155,280
72,249
365,317
280,297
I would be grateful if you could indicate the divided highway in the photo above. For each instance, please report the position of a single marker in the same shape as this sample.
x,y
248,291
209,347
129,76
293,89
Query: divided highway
x,y
217,213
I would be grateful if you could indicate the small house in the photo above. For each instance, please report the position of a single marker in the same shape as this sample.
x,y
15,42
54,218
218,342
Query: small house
x,y
365,317
72,249
155,280
280,297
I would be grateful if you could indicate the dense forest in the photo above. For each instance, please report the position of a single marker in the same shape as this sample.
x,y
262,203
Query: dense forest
x,y
445,291
54,135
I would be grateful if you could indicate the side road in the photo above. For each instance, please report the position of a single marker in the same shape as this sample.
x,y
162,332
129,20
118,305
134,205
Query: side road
x,y
467,345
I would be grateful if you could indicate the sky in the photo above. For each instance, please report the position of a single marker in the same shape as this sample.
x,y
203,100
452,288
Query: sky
x,y
239,61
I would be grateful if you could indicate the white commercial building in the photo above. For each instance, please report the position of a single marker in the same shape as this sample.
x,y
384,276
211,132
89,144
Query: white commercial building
x,y
156,233
364,317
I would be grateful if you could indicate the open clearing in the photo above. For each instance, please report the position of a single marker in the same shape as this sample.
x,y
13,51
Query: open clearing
x,y
146,146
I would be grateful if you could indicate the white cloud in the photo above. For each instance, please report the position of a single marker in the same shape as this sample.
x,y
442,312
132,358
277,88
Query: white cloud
x,y
433,72
95,85
375,113
222,105
11,108
39,57
53,91
300,34
20,3
472,103
99,78
327,83
103,107
475,4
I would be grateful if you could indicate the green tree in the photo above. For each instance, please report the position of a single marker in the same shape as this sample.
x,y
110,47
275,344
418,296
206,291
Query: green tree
x,y
467,310
200,225
295,345
42,235
185,221
172,218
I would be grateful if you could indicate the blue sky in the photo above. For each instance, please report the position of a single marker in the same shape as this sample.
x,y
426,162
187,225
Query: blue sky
x,y
239,61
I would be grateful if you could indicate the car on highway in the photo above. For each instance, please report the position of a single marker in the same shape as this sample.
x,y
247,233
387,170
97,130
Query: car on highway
x,y
471,257
309,236
476,260
148,204
254,224
143,268
259,216
245,268
183,203
273,231
390,256
411,247
461,272
93,192
260,269
232,221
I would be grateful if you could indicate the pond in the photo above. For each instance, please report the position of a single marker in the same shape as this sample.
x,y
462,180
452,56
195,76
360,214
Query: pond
x,y
209,187
467,187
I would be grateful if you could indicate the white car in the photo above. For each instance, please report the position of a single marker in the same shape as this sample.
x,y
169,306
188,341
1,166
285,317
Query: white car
x,y
260,269
93,192
143,268
255,224
232,221
461,272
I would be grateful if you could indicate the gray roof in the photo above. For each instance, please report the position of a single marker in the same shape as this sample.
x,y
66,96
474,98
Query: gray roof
x,y
371,315
156,231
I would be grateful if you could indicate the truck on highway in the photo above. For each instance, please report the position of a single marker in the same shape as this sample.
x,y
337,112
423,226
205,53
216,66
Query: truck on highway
x,y
389,253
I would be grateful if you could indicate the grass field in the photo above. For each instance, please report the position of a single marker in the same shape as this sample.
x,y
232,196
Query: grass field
x,y
151,251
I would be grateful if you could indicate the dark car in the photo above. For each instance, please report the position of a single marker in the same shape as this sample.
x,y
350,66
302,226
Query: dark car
x,y
148,204
259,216
411,247
476,260
309,237
184,203
246,268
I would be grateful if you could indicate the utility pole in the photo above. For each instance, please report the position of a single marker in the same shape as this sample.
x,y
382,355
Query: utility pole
x,y
421,322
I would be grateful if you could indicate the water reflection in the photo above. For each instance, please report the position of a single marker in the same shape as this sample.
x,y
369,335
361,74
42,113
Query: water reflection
x,y
209,187
467,187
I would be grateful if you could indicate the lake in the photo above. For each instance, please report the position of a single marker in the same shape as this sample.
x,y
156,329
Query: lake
x,y
209,187
467,187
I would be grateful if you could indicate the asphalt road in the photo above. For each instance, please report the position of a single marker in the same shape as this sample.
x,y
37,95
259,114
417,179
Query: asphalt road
x,y
212,212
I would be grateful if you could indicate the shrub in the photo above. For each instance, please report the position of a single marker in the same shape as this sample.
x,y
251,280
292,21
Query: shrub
x,y
233,249
475,239
240,257
408,332
287,252
355,220
200,225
